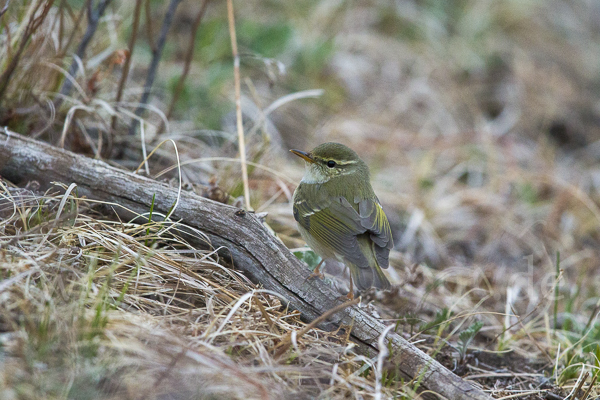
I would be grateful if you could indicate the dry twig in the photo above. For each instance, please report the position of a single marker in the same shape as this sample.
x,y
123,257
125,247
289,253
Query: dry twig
x,y
156,55
188,61
130,46
94,15
3,11
287,341
32,25
238,102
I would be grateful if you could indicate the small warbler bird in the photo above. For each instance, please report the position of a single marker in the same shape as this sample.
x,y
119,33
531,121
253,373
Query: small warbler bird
x,y
339,215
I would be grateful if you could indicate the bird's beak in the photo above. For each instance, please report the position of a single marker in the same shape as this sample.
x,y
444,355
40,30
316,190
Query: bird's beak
x,y
304,155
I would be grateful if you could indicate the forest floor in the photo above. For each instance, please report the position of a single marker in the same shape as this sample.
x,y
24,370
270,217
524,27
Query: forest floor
x,y
481,129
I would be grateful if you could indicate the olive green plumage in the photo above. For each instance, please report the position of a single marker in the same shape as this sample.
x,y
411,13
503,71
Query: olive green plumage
x,y
339,215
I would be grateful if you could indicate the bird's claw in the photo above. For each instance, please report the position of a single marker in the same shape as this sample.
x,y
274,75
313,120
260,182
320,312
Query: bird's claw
x,y
316,275
346,297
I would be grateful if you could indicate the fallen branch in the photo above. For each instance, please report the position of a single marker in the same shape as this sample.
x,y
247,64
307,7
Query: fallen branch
x,y
252,248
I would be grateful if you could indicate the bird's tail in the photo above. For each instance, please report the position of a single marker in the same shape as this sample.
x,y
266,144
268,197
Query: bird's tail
x,y
380,281
364,278
372,275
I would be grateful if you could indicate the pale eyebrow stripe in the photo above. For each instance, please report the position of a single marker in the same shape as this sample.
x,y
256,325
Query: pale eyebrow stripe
x,y
345,162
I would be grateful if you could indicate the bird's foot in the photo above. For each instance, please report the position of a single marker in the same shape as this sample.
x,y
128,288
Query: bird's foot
x,y
316,275
346,297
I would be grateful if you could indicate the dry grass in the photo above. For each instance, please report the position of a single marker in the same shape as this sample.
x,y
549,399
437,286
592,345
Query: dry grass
x,y
479,121
97,308
102,308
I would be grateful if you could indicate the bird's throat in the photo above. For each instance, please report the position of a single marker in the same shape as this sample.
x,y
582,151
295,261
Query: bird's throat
x,y
313,174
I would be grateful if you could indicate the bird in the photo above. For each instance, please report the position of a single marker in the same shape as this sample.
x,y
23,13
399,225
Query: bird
x,y
340,217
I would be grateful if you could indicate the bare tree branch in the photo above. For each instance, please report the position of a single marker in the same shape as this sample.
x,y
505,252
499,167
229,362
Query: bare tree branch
x,y
130,46
93,19
156,55
251,247
188,60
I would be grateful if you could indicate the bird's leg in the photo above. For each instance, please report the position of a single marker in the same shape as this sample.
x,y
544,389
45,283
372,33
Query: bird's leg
x,y
350,294
317,272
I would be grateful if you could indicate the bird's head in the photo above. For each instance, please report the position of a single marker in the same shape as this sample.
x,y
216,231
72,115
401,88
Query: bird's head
x,y
330,160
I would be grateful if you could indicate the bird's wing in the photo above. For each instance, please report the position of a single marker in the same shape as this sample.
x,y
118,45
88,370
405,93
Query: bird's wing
x,y
336,224
375,221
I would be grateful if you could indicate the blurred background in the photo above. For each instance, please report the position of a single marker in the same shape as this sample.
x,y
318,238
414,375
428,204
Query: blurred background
x,y
479,119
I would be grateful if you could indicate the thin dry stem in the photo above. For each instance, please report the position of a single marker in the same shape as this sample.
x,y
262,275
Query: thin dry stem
x,y
5,8
238,103
130,47
287,341
32,25
188,60
94,15
156,56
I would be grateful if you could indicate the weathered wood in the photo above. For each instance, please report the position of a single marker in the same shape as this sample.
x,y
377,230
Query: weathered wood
x,y
253,249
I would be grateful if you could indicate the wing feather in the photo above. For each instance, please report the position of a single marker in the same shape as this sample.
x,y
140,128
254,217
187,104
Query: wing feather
x,y
337,223
375,221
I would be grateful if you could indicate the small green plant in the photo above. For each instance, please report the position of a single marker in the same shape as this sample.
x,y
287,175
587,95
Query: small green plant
x,y
309,257
391,377
596,360
466,337
574,362
411,319
440,321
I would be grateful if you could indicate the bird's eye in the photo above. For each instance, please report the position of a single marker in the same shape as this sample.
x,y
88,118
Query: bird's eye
x,y
331,163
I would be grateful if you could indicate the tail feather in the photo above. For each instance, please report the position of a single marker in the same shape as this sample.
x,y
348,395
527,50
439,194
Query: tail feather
x,y
370,274
380,281
364,278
